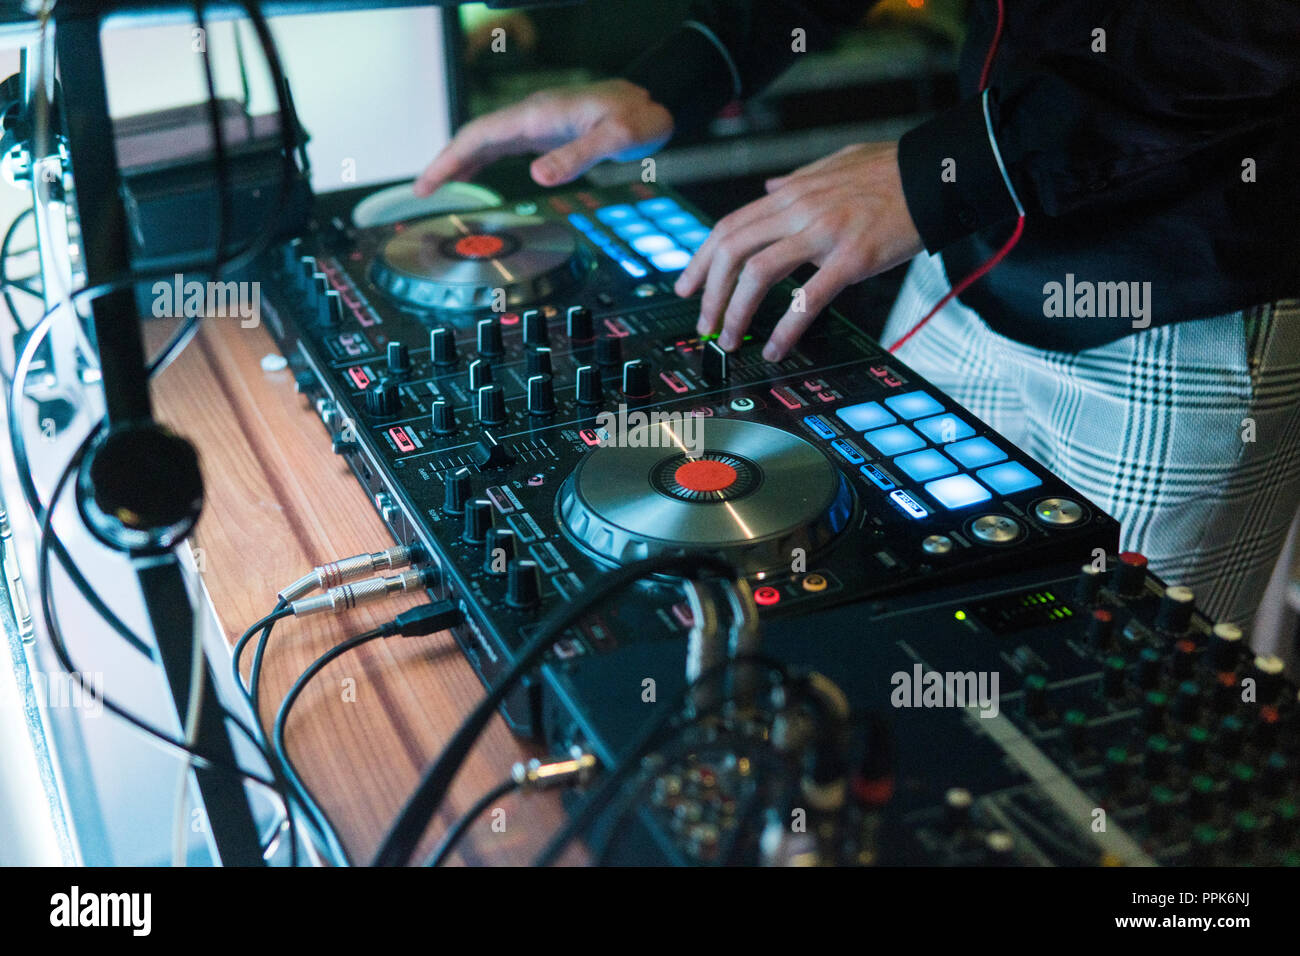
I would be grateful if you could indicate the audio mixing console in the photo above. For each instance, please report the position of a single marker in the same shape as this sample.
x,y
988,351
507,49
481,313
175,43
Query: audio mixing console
x,y
1104,721
521,392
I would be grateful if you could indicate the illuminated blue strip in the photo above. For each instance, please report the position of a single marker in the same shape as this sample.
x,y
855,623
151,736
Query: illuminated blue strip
x,y
820,427
910,505
850,454
876,477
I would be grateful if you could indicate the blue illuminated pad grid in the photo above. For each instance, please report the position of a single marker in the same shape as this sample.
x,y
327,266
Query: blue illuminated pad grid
x,y
976,453
1008,477
957,491
945,474
658,229
943,428
895,440
866,416
912,405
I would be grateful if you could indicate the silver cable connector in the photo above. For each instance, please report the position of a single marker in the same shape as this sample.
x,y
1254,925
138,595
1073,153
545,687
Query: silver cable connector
x,y
347,596
536,775
333,573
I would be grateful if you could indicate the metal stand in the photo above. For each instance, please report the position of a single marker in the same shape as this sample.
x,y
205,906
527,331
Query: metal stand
x,y
116,324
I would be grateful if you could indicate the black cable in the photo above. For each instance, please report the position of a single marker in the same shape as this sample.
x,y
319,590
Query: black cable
x,y
418,621
275,785
282,717
265,624
255,668
404,835
65,659
4,265
237,652
461,826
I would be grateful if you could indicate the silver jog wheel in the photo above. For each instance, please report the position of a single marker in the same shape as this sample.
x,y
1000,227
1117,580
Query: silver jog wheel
x,y
751,492
459,261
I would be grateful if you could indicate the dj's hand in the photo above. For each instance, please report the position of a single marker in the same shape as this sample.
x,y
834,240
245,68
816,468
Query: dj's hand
x,y
844,213
574,127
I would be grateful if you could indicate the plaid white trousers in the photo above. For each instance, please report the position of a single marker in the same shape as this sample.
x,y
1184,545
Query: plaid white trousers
x,y
1188,434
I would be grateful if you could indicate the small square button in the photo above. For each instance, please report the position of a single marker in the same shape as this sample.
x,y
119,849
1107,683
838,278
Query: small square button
x,y
976,452
630,230
942,429
652,244
1008,477
674,260
925,464
895,440
911,405
957,491
620,213
659,206
864,417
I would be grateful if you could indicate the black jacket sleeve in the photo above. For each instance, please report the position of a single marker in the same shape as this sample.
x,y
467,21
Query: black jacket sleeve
x,y
729,49
1164,96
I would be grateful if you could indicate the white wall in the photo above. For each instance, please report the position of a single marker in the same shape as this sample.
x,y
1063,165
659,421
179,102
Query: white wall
x,y
369,86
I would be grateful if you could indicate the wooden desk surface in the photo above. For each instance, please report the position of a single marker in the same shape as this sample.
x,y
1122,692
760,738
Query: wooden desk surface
x,y
279,503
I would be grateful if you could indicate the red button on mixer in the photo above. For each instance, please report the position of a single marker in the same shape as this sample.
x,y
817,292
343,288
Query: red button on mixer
x,y
767,596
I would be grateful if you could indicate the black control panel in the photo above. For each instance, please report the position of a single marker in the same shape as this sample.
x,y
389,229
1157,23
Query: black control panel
x,y
520,391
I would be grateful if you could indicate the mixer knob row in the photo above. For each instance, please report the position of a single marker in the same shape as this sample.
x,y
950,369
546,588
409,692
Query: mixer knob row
x,y
480,375
589,388
539,361
478,520
541,395
399,360
535,330
636,379
491,405
1175,613
498,550
383,399
442,346
456,492
523,584
444,418
579,324
489,337
609,351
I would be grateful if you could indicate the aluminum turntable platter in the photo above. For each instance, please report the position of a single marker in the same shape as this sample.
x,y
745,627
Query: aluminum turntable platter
x,y
750,491
459,261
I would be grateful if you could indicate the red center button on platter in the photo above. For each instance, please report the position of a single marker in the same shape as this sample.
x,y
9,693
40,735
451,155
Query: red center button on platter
x,y
767,596
479,246
705,475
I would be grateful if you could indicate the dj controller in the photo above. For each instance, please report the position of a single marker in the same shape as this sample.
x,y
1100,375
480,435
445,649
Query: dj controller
x,y
520,392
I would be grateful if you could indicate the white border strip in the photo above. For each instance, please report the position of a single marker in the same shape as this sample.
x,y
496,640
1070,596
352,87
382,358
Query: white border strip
x,y
997,154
